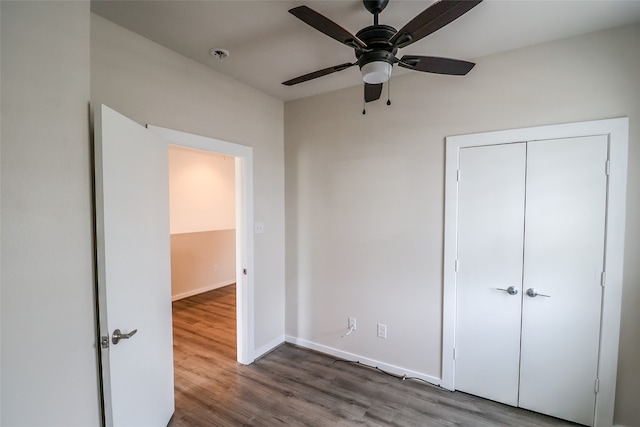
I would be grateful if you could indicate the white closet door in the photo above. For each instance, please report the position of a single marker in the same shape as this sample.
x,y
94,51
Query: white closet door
x,y
564,258
490,240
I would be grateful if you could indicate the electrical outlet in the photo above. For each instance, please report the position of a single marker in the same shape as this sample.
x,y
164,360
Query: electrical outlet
x,y
352,323
382,330
259,227
215,268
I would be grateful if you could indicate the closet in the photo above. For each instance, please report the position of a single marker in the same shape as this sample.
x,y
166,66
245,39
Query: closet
x,y
530,271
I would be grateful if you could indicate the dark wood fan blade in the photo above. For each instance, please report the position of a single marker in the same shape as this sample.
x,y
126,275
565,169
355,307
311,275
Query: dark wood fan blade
x,y
372,92
432,19
327,26
319,73
434,64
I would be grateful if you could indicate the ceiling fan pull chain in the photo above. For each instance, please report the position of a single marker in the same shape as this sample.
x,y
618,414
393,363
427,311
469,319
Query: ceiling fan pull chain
x,y
389,90
364,107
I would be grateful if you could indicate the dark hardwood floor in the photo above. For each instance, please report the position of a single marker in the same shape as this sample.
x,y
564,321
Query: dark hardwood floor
x,y
298,387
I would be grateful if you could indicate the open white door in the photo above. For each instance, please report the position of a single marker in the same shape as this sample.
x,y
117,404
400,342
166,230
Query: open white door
x,y
134,277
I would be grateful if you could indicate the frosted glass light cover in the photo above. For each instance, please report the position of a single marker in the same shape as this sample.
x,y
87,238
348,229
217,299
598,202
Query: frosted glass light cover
x,y
376,72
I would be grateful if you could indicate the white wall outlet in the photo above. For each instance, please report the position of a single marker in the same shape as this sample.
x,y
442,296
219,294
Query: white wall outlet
x,y
215,268
259,227
352,323
382,330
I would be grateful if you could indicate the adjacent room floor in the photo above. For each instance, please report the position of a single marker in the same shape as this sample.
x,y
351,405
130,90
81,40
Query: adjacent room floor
x,y
299,387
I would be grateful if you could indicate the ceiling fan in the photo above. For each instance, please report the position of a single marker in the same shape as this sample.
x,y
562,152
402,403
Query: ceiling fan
x,y
376,46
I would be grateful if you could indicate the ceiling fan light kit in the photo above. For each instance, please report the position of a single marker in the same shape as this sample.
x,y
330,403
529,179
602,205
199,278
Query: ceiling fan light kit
x,y
376,72
376,46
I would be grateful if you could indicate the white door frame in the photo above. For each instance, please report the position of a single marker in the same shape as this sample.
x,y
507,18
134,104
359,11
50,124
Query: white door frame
x,y
244,236
618,133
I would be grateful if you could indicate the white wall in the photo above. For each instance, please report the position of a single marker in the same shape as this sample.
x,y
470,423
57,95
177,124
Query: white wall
x,y
365,193
154,85
0,217
201,191
49,370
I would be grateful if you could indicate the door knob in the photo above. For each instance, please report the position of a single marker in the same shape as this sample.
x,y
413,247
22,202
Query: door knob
x,y
533,293
117,336
511,290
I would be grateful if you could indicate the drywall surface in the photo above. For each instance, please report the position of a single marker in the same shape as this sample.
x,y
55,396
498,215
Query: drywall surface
x,y
364,193
0,216
202,261
49,371
153,85
201,191
202,210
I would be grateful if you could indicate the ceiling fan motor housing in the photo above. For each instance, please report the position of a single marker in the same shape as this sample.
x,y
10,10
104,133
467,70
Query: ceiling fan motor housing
x,y
377,36
376,61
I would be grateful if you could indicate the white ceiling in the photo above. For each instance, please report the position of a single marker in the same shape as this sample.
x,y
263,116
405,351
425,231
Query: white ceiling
x,y
268,45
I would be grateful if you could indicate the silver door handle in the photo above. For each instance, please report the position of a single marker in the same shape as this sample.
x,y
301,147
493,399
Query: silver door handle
x,y
533,293
118,335
511,290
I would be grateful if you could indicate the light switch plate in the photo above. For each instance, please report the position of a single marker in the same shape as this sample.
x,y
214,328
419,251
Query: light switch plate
x,y
382,331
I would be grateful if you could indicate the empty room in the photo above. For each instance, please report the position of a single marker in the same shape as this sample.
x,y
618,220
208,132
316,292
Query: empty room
x,y
436,212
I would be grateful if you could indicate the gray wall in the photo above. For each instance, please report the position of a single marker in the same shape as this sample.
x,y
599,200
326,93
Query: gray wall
x,y
365,193
49,369
56,58
151,84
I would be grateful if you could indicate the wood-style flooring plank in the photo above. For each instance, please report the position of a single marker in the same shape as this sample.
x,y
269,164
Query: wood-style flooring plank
x,y
292,386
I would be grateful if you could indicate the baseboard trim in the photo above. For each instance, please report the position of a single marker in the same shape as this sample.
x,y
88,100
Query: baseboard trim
x,y
201,290
396,370
270,346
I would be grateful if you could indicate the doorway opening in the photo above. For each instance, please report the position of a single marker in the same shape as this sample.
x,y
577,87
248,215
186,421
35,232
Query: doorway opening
x,y
242,157
202,221
133,263
203,261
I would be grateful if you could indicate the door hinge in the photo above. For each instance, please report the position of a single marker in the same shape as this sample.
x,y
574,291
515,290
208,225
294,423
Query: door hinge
x,y
454,354
458,175
104,341
597,385
607,167
603,278
456,266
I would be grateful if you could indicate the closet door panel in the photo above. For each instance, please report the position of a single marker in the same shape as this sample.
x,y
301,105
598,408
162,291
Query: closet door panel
x,y
563,259
490,243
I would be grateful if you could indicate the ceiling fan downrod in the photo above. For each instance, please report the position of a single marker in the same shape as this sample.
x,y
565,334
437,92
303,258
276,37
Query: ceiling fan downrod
x,y
375,7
